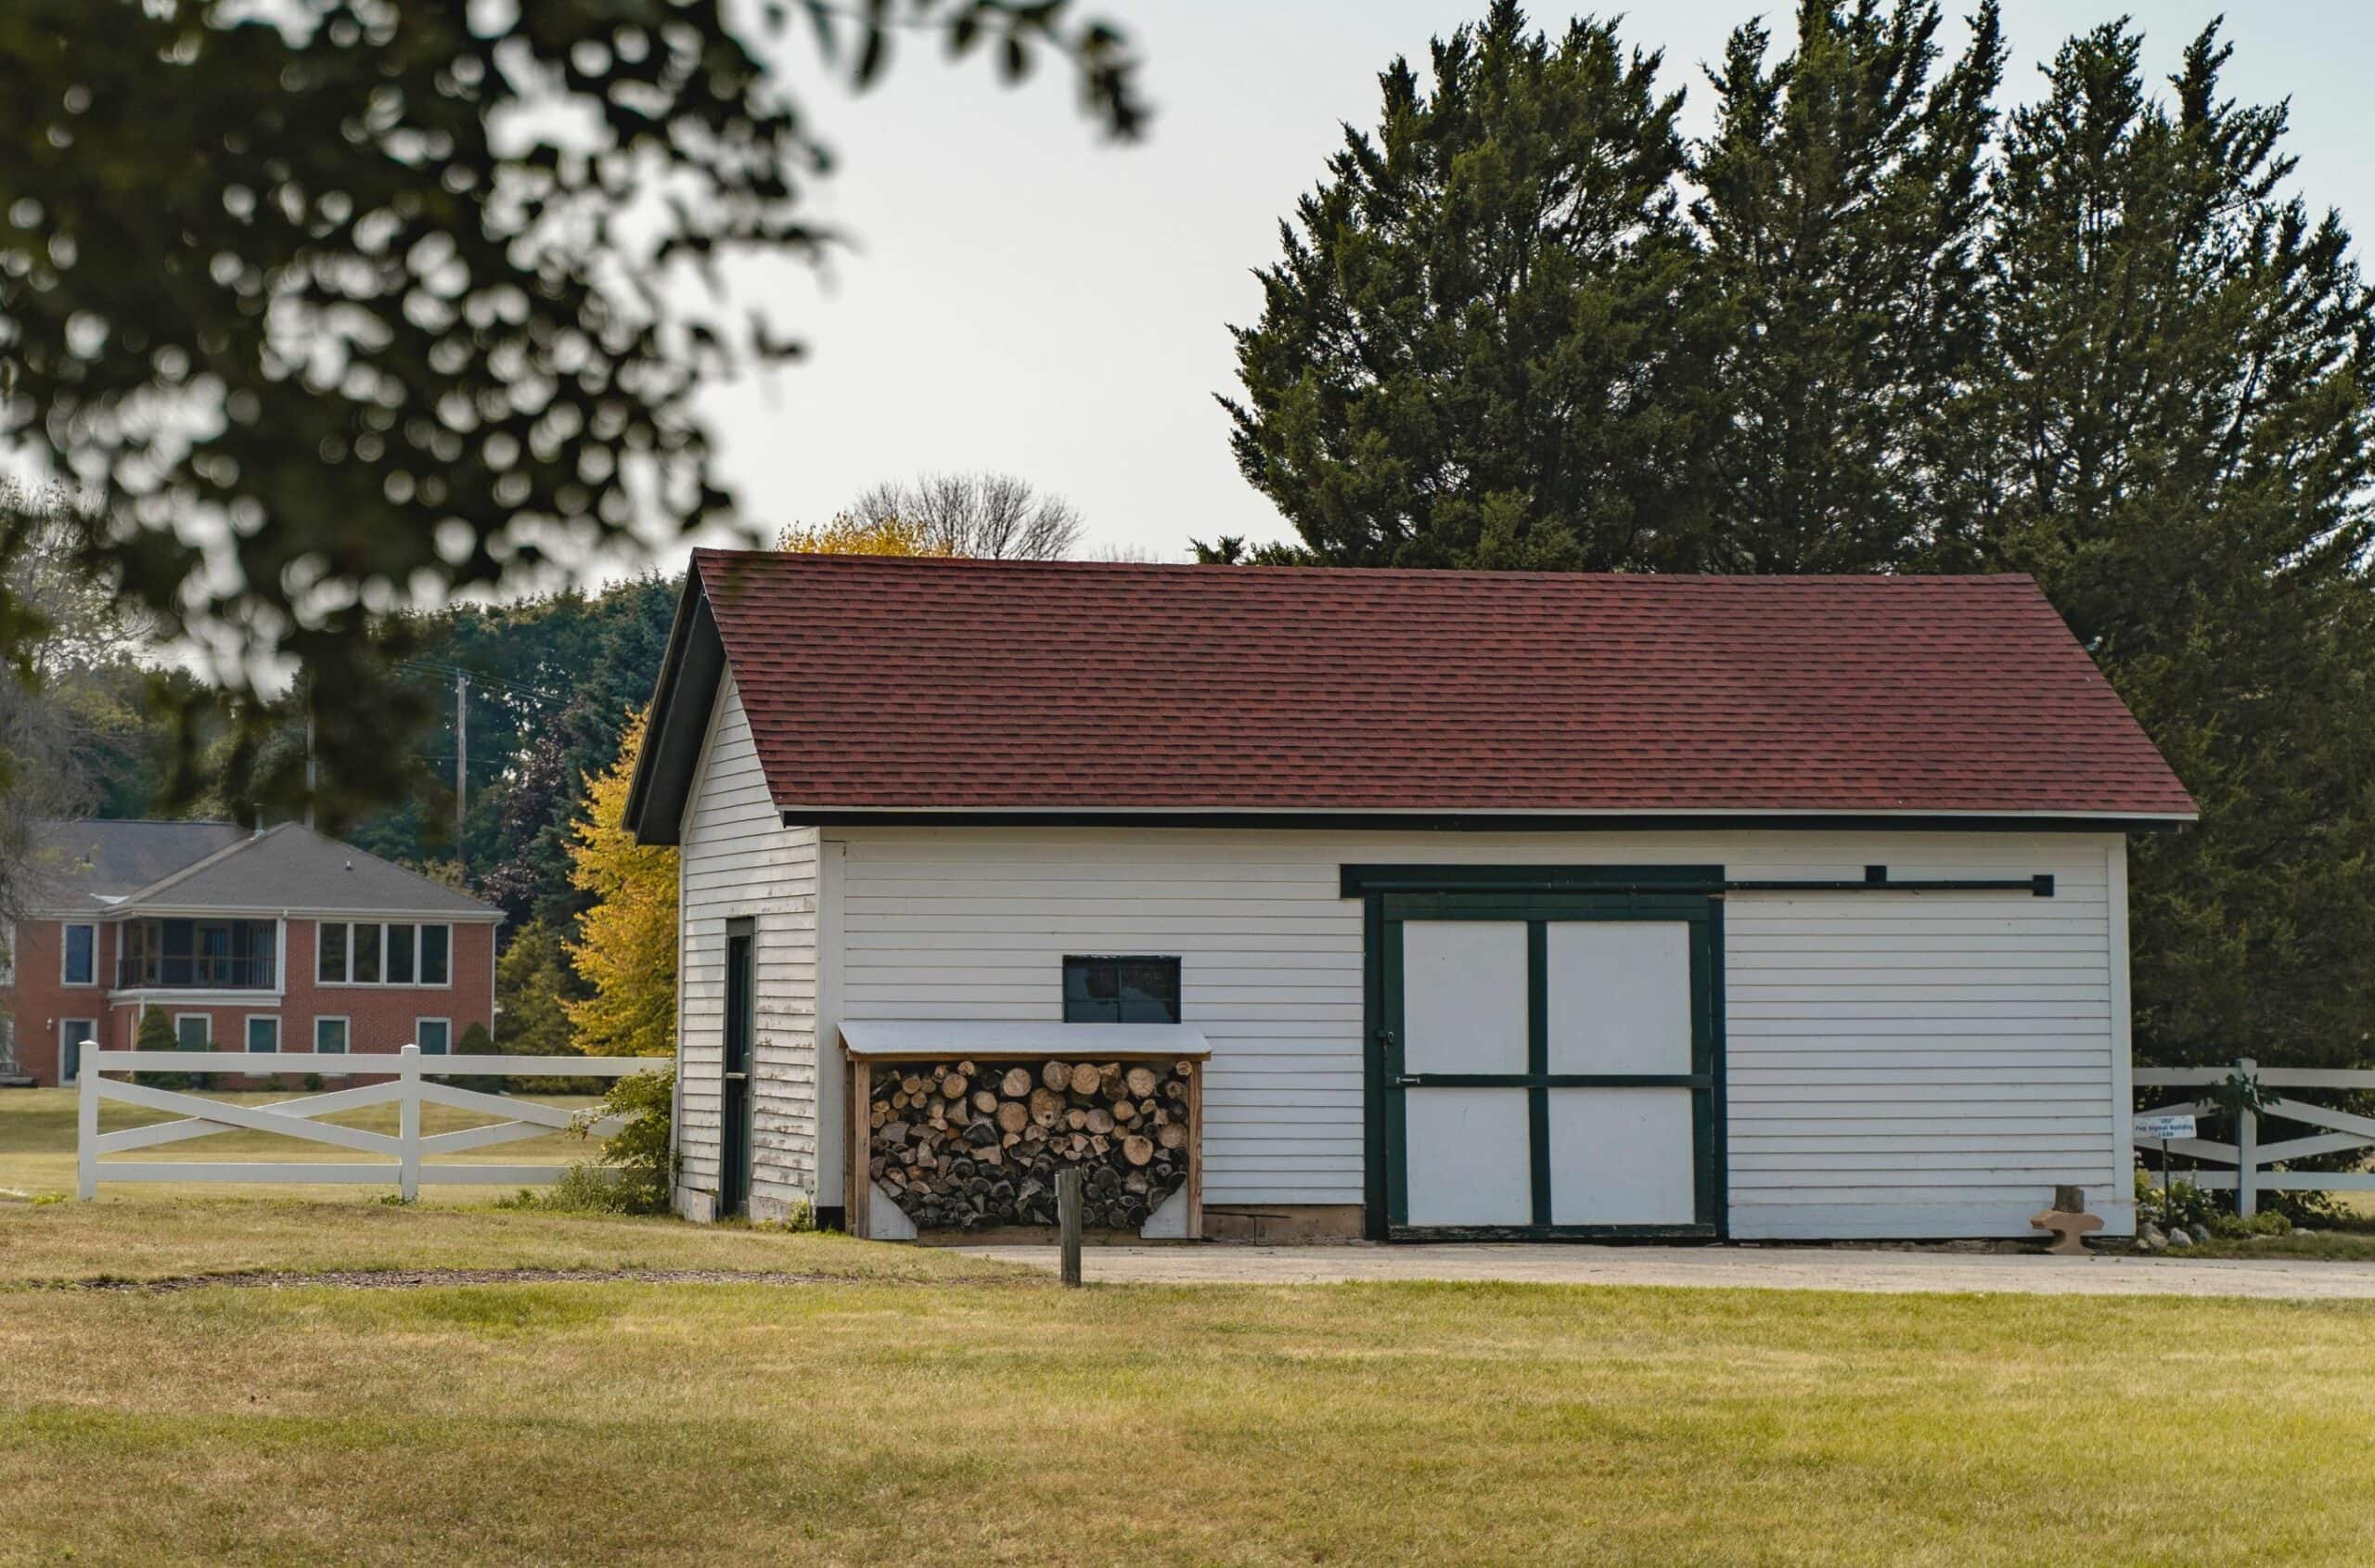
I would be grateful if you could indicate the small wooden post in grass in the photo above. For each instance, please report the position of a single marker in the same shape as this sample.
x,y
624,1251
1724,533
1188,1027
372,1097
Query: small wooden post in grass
x,y
1068,1221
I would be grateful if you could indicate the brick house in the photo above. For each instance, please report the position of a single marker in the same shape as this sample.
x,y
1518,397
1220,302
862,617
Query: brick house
x,y
281,940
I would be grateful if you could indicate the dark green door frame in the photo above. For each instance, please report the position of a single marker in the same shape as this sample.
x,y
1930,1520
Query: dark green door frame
x,y
1538,896
736,1110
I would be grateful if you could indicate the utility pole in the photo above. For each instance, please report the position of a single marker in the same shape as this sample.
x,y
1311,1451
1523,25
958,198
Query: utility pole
x,y
461,759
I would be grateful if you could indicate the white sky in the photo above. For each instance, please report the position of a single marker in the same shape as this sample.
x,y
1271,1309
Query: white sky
x,y
1022,296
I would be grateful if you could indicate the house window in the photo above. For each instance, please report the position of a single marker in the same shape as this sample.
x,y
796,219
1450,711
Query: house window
x,y
433,1036
1121,990
193,1031
263,1031
329,1036
82,965
397,953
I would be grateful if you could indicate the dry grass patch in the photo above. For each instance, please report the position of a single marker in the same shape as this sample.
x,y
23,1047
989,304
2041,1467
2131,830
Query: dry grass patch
x,y
1216,1424
152,1237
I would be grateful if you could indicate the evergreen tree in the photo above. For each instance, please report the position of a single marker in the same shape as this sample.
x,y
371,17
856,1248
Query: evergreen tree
x,y
2177,438
1481,347
1843,207
625,949
533,986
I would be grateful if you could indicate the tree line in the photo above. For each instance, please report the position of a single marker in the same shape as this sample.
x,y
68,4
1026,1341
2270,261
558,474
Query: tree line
x,y
1875,321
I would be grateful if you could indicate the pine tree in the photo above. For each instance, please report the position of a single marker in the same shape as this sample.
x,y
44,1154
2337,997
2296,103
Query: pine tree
x,y
2178,437
625,949
1480,347
1843,207
533,985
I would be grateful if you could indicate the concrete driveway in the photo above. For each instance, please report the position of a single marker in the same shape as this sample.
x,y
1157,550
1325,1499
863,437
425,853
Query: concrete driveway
x,y
1779,1268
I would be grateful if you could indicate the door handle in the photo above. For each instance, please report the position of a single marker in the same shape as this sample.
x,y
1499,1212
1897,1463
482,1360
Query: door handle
x,y
737,1078
1404,1080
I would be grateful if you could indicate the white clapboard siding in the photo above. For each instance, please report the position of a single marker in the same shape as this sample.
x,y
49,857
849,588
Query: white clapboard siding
x,y
738,859
1866,1032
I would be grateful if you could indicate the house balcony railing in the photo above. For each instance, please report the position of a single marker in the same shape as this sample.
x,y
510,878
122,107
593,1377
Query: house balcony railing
x,y
196,973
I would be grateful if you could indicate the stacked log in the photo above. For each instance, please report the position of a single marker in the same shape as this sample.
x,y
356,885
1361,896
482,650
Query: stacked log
x,y
962,1145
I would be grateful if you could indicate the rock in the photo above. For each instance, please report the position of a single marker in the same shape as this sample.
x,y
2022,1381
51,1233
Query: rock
x,y
2152,1234
2178,1237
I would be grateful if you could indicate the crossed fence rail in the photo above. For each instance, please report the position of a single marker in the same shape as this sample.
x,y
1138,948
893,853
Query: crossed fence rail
x,y
405,1149
2252,1160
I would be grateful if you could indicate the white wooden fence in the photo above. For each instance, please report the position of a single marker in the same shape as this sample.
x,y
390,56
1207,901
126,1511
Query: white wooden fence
x,y
407,1086
2251,1159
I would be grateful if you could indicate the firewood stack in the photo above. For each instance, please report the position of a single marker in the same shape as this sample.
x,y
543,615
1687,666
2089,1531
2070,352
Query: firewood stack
x,y
963,1145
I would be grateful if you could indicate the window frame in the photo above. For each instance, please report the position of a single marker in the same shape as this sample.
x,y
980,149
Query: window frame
x,y
346,1034
346,951
182,1018
248,1034
445,1023
1118,961
66,931
418,927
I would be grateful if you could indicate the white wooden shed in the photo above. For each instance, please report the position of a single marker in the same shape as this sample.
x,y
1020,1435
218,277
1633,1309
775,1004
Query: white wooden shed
x,y
1506,905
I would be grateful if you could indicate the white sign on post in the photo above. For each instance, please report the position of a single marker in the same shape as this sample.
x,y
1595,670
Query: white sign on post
x,y
2161,1130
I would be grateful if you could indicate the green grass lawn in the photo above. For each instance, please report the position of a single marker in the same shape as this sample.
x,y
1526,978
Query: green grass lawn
x,y
921,1407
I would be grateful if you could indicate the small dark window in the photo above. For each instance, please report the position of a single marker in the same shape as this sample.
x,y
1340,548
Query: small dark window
x,y
1134,990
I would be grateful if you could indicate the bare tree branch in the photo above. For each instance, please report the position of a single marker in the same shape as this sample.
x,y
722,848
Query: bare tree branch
x,y
988,515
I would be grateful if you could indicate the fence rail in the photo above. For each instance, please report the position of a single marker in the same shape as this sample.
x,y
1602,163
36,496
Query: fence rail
x,y
406,1088
2252,1160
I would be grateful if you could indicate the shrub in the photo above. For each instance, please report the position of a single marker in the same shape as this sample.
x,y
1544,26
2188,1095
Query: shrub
x,y
2179,1203
585,1187
638,1154
2235,1227
476,1041
155,1034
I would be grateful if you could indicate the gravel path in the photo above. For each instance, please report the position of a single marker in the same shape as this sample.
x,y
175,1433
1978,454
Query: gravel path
x,y
421,1278
1781,1269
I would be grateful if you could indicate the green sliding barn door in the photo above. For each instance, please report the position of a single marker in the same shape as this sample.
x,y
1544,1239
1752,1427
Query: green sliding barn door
x,y
1550,1066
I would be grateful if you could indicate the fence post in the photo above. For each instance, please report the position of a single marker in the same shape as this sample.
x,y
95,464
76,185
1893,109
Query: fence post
x,y
86,1131
2247,1149
408,1123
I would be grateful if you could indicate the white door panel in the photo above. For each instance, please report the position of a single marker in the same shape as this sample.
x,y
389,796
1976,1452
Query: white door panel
x,y
1468,1157
1622,1157
1463,995
1620,995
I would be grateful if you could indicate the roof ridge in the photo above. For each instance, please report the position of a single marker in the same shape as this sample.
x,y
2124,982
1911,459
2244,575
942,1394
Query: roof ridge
x,y
1371,574
140,895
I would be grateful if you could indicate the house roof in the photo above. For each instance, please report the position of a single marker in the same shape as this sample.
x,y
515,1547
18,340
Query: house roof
x,y
958,689
292,867
218,866
87,865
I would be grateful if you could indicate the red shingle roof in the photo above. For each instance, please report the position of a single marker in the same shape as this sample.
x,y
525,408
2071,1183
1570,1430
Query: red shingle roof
x,y
965,685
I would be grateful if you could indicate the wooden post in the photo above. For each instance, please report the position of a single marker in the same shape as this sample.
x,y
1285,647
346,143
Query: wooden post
x,y
408,1123
86,1137
2247,1150
857,1147
1195,1152
1068,1221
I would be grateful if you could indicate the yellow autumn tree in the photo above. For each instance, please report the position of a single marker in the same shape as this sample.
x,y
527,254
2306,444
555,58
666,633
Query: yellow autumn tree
x,y
849,535
626,946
